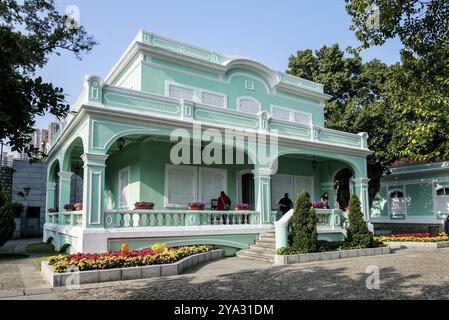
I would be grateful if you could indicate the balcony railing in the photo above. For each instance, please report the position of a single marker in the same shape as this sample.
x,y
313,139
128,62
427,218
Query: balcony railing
x,y
176,218
68,218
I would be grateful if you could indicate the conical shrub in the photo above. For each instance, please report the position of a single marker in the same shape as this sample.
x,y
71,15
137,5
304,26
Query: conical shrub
x,y
357,231
304,221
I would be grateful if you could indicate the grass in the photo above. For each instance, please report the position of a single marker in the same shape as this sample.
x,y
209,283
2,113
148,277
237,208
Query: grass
x,y
45,250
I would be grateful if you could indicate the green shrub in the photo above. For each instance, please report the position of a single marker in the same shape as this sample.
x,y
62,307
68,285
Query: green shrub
x,y
7,223
17,209
357,231
305,235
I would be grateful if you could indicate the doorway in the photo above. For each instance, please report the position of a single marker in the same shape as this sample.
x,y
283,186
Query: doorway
x,y
247,183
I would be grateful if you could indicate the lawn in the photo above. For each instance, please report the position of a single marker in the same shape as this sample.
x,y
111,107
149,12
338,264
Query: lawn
x,y
44,250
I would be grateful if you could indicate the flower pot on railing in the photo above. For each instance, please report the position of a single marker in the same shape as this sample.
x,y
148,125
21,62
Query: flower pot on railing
x,y
242,207
317,204
196,206
78,206
68,207
143,205
51,210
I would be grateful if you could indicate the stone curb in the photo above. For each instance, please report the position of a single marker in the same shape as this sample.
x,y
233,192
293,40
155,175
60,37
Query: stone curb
x,y
330,255
121,274
417,244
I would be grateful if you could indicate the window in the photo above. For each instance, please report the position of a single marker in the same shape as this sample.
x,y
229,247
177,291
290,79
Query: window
x,y
248,105
183,184
211,183
33,212
249,85
180,92
397,202
213,99
286,114
293,185
124,188
442,199
180,185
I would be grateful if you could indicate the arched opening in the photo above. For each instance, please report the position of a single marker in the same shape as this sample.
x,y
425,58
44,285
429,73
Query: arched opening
x,y
343,187
145,168
74,163
66,248
53,176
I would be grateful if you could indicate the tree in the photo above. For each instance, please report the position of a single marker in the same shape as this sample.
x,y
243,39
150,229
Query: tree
x,y
420,82
360,100
357,231
7,222
30,31
305,235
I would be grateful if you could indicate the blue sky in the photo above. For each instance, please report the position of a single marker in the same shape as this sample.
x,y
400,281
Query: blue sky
x,y
268,31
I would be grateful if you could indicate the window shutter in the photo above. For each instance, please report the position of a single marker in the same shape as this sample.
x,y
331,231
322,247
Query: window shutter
x,y
280,185
304,183
213,99
124,188
181,186
179,92
281,114
212,183
249,106
302,118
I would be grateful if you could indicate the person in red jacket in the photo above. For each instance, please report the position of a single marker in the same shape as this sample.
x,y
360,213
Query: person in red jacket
x,y
224,202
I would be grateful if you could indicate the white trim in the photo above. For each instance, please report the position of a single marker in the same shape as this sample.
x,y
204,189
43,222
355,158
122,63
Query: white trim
x,y
194,169
238,182
100,192
224,96
291,115
200,186
259,105
169,83
415,181
120,189
434,197
401,189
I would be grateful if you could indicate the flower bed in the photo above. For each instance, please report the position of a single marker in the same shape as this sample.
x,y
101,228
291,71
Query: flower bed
x,y
143,205
415,237
196,205
121,259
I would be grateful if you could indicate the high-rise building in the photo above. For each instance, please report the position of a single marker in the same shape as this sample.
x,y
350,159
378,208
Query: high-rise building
x,y
53,127
43,135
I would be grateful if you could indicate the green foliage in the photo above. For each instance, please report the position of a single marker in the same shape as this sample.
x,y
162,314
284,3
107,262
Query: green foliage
x,y
30,32
357,231
7,223
359,100
304,221
418,87
17,209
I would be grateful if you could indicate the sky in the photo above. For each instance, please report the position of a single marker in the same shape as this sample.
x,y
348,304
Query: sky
x,y
268,31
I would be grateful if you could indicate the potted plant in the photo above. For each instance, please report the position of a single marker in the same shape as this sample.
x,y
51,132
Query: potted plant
x,y
78,206
196,205
146,205
51,210
317,204
242,206
68,207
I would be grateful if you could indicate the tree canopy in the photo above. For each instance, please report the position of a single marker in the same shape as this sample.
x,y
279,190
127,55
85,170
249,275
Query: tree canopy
x,y
30,31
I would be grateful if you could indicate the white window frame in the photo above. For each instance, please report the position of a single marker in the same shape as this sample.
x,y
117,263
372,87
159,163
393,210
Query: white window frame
x,y
259,105
291,114
200,189
312,180
120,187
292,177
438,187
194,169
400,189
225,98
172,83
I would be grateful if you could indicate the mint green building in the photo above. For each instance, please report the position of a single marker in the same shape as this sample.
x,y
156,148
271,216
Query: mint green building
x,y
165,100
413,198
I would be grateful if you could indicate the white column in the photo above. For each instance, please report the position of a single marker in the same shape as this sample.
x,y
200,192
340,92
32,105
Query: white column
x,y
262,189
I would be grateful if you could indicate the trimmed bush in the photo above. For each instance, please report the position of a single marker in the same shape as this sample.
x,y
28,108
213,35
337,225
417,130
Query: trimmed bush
x,y
357,231
7,223
305,235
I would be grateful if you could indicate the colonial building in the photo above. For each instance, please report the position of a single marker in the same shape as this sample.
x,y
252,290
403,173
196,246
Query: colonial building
x,y
413,198
127,133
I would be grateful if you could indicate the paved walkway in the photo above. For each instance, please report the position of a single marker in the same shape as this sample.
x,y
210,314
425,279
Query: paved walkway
x,y
19,278
405,274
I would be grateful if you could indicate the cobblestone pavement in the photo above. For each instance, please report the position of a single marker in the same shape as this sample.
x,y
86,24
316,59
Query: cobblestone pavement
x,y
10,276
406,274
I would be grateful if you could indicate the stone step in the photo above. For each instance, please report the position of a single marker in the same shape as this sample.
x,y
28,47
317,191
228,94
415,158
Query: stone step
x,y
260,254
267,241
254,257
263,245
262,249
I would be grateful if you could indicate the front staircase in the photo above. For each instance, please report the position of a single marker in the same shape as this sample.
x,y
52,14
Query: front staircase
x,y
263,249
